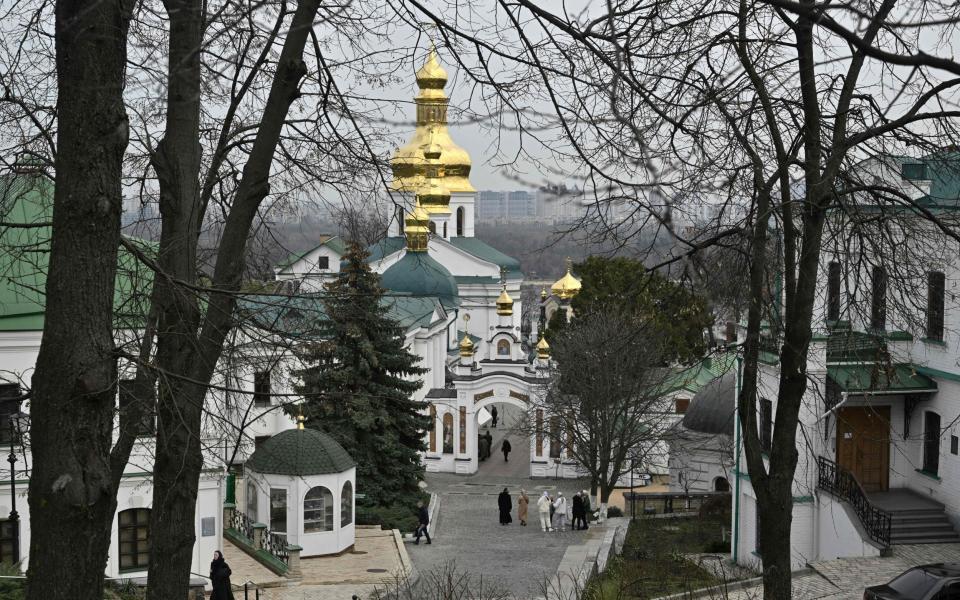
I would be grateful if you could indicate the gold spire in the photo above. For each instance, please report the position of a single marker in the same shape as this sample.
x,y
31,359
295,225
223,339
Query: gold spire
x,y
543,294
466,344
504,302
300,420
543,348
417,228
408,163
567,286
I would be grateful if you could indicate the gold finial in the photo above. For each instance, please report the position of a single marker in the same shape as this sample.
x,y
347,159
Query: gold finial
x,y
504,302
300,421
543,348
567,286
417,228
466,344
543,294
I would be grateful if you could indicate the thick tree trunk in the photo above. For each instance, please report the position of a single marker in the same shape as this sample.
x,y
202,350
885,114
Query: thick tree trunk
x,y
73,484
776,522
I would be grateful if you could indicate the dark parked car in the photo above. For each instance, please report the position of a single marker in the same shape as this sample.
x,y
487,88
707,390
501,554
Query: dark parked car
x,y
927,582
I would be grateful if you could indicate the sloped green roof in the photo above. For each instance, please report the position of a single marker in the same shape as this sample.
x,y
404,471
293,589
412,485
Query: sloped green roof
x,y
335,243
385,247
420,275
484,251
695,378
300,453
873,377
26,206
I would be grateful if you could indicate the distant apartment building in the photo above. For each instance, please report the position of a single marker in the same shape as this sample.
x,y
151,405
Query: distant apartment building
x,y
524,206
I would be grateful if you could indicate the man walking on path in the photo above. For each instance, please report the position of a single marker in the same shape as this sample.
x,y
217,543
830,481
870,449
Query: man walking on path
x,y
505,448
423,516
493,413
577,511
586,509
543,507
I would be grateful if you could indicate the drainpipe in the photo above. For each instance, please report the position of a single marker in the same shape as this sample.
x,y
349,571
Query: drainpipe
x,y
844,396
736,469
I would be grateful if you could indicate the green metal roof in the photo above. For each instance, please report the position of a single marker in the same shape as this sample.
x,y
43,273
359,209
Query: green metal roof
x,y
300,452
335,243
27,202
420,275
695,378
484,251
876,378
386,247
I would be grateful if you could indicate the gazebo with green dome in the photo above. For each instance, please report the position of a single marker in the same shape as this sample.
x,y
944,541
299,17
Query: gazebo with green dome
x,y
301,483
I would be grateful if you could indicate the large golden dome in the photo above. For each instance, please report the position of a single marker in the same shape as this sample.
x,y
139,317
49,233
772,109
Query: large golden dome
x,y
567,286
408,163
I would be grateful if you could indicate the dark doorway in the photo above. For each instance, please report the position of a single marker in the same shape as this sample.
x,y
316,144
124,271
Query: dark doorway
x,y
931,443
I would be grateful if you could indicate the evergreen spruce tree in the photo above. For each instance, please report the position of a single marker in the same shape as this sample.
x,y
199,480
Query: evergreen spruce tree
x,y
357,386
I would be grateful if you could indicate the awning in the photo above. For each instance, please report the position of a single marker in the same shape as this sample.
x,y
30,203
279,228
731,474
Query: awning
x,y
874,378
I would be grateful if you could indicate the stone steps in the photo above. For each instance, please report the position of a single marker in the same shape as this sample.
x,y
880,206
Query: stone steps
x,y
922,526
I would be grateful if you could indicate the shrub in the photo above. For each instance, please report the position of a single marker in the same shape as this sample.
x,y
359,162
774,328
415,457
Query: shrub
x,y
614,511
718,506
717,547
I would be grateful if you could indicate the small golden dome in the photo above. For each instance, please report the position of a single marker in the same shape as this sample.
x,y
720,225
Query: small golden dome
x,y
567,286
466,346
504,302
432,76
417,229
543,348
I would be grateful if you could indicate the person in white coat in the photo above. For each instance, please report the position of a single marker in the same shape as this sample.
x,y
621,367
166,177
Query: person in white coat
x,y
560,512
543,507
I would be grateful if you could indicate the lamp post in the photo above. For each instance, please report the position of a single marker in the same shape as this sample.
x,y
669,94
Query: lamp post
x,y
12,459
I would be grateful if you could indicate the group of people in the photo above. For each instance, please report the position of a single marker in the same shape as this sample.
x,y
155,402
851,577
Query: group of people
x,y
552,511
485,447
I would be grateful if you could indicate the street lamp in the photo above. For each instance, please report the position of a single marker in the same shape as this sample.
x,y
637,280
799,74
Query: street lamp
x,y
14,517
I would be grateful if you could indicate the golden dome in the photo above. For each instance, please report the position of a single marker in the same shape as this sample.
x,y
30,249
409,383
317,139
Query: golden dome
x,y
504,303
417,229
543,348
567,286
466,346
408,163
433,194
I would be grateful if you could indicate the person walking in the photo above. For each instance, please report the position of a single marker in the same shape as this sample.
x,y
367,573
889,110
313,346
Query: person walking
x,y
577,511
505,448
493,413
560,506
545,507
522,502
506,505
483,448
220,578
423,523
586,508
489,438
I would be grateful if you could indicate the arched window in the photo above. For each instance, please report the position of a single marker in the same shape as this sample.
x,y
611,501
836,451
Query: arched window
x,y
133,531
432,227
444,230
252,501
720,484
318,510
346,504
503,348
448,433
461,217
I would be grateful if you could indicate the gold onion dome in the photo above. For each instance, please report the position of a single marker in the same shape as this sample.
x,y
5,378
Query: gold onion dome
x,y
543,348
466,346
433,194
417,229
408,163
504,302
567,286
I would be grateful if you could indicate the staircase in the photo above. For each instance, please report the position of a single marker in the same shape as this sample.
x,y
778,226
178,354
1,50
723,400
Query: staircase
x,y
921,526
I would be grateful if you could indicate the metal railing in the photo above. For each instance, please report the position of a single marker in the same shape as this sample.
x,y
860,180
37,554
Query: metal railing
x,y
277,546
643,504
840,482
242,524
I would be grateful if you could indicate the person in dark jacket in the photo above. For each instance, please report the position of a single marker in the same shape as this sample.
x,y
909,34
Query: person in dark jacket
x,y
220,578
579,513
493,413
489,439
505,448
483,448
423,519
506,505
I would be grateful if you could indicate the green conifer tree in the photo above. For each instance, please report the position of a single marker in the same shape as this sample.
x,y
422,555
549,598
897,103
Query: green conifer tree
x,y
357,386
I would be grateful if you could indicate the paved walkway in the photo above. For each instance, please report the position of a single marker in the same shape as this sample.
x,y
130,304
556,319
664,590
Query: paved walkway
x,y
511,558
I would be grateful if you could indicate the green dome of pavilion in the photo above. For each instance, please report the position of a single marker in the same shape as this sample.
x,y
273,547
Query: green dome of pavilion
x,y
417,274
300,452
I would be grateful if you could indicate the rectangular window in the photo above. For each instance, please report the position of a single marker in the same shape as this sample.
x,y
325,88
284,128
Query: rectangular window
x,y
766,424
463,430
914,171
878,299
931,443
128,398
9,532
731,332
556,437
833,291
539,427
433,428
133,533
935,290
681,405
261,388
323,262
954,445
9,406
278,511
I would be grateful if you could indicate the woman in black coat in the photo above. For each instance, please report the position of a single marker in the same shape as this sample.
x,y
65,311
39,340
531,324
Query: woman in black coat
x,y
220,578
506,505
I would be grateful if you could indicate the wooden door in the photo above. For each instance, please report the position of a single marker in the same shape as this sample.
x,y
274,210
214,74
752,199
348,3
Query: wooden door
x,y
863,445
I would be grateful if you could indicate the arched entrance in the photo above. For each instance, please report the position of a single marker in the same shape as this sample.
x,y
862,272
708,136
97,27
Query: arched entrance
x,y
511,414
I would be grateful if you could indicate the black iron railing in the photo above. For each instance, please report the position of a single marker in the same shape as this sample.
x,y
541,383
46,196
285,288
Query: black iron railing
x,y
833,478
277,546
242,523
